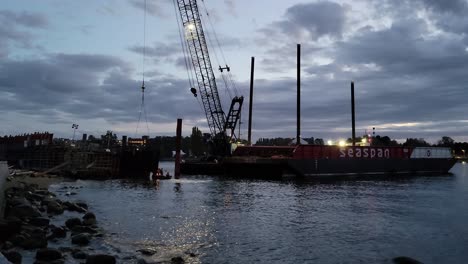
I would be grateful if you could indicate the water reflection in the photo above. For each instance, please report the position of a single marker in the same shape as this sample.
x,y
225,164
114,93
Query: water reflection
x,y
212,220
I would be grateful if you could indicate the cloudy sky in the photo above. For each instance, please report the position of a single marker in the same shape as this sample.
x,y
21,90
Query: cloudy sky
x,y
66,61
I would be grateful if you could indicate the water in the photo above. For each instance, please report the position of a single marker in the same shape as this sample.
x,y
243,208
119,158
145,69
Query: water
x,y
246,221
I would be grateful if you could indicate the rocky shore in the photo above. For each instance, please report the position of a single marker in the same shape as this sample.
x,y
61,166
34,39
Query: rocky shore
x,y
46,229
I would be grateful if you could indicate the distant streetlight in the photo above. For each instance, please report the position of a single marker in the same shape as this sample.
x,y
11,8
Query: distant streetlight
x,y
463,153
75,127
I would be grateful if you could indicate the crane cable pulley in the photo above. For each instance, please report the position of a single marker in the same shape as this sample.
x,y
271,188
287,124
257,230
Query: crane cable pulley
x,y
142,106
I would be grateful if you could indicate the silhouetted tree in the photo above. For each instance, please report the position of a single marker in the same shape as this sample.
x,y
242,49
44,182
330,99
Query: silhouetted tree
x,y
446,142
416,142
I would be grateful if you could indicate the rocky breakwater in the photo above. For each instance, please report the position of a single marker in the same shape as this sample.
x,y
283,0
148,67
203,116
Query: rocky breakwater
x,y
27,226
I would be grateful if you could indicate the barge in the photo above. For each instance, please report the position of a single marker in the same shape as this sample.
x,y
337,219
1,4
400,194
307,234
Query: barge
x,y
326,161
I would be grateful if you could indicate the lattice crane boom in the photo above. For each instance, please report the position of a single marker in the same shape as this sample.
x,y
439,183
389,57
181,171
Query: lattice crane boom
x,y
200,58
218,122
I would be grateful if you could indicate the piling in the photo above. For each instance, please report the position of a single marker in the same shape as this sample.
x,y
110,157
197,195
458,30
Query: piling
x,y
298,136
252,66
178,146
353,115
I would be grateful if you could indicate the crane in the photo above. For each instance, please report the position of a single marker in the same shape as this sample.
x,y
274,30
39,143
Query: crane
x,y
218,122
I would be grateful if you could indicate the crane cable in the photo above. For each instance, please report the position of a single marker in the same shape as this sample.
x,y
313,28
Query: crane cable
x,y
142,107
220,49
184,47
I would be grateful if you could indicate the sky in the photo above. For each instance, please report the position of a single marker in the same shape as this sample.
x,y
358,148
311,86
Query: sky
x,y
65,62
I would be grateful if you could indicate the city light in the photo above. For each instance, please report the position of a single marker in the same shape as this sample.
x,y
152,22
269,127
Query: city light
x,y
342,143
329,142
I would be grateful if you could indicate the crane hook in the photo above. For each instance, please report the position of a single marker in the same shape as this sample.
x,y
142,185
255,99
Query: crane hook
x,y
194,91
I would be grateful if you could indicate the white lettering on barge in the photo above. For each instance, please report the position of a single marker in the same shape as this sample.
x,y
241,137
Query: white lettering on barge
x,y
365,153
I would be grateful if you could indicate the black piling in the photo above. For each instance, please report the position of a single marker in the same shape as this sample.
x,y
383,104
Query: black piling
x,y
252,66
298,136
178,147
353,118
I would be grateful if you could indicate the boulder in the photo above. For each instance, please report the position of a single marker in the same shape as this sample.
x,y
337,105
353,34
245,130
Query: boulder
x,y
81,239
70,223
23,210
54,207
82,204
47,254
89,219
147,251
100,259
78,229
79,254
13,256
405,260
177,260
74,207
8,227
39,221
57,232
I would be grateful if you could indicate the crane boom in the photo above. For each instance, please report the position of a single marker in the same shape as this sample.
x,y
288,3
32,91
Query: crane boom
x,y
200,58
218,122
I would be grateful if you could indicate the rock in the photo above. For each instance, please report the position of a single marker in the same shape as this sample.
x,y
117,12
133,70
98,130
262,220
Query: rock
x,y
405,260
35,241
79,254
147,251
74,207
81,239
65,249
89,219
100,259
57,232
8,227
23,210
39,221
48,199
12,256
177,260
82,204
83,229
54,207
48,254
57,261
7,245
70,223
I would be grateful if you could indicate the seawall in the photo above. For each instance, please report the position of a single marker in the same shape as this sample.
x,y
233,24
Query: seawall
x,y
3,175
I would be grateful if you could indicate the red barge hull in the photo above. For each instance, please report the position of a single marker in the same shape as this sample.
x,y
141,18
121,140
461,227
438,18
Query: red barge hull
x,y
322,161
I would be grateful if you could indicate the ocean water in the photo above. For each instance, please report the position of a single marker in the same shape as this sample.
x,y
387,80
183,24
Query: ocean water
x,y
213,220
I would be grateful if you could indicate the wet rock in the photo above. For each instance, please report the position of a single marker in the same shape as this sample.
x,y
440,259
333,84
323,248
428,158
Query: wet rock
x,y
23,210
65,249
82,204
57,261
79,255
70,223
8,227
39,221
147,251
7,245
47,254
100,259
81,239
34,241
83,229
177,260
57,232
74,207
12,256
34,196
54,207
48,199
89,219
405,260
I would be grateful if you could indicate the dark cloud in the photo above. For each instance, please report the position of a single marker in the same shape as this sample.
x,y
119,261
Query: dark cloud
x,y
159,50
152,7
31,20
65,87
318,19
14,29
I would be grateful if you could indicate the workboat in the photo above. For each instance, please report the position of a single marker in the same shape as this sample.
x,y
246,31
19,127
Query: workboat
x,y
323,161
